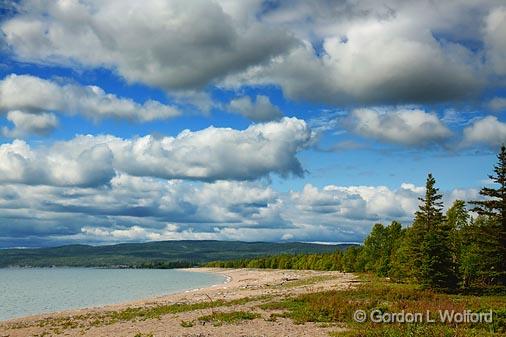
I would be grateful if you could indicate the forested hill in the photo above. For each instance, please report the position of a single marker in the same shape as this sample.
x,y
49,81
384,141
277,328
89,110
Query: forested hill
x,y
161,254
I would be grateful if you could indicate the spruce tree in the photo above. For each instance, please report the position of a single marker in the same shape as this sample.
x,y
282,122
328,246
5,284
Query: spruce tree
x,y
494,207
430,211
432,246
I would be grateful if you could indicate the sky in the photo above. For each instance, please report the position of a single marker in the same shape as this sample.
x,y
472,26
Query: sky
x,y
301,120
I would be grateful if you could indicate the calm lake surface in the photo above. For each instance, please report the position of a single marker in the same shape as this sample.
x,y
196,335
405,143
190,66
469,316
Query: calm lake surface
x,y
28,291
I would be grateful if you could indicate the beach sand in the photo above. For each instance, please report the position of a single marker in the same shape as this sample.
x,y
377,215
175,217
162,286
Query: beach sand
x,y
245,290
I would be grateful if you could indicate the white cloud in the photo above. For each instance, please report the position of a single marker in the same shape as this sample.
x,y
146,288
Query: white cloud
x,y
495,38
371,203
27,123
210,154
134,208
412,127
333,52
370,52
36,95
60,165
497,104
140,208
488,130
261,110
169,44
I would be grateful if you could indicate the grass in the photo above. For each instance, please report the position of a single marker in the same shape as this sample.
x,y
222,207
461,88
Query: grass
x,y
187,324
305,281
84,322
220,318
331,308
155,312
338,306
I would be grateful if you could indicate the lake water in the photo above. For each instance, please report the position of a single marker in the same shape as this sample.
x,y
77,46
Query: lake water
x,y
28,291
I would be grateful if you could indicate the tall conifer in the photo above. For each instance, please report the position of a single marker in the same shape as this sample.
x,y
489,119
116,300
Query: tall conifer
x,y
432,246
494,207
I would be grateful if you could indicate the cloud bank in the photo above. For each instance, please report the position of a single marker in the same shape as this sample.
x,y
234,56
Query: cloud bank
x,y
190,44
208,155
391,52
141,208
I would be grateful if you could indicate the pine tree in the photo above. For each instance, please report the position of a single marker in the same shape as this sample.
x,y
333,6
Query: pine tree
x,y
494,207
432,246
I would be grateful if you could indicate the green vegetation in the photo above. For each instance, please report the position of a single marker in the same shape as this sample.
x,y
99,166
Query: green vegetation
x,y
220,318
57,325
431,253
451,262
144,313
338,306
443,252
162,254
187,324
326,261
493,210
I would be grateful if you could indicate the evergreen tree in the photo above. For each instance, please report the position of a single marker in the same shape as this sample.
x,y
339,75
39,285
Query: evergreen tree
x,y
494,207
430,212
433,250
479,263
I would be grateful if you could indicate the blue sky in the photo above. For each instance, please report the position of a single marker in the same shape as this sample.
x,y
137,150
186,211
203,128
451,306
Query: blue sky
x,y
251,120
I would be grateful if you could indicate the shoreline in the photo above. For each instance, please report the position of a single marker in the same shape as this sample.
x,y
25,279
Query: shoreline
x,y
242,290
112,306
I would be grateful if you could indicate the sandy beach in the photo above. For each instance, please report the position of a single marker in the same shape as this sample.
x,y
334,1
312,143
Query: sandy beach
x,y
183,314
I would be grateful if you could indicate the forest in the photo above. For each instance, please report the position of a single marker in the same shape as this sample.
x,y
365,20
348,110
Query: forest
x,y
153,255
462,249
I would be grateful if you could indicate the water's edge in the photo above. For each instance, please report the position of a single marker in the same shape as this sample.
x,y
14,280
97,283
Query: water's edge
x,y
218,279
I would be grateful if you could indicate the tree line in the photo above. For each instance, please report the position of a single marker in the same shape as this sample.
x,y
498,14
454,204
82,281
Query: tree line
x,y
443,251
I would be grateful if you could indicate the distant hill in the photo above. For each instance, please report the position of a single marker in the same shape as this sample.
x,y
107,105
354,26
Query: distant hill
x,y
160,254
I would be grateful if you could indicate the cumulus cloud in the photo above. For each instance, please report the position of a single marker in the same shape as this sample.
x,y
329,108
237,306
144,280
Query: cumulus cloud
x,y
27,123
488,130
369,71
213,183
495,37
36,95
190,44
372,52
139,208
412,127
142,208
372,203
61,165
324,51
261,110
497,104
208,155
